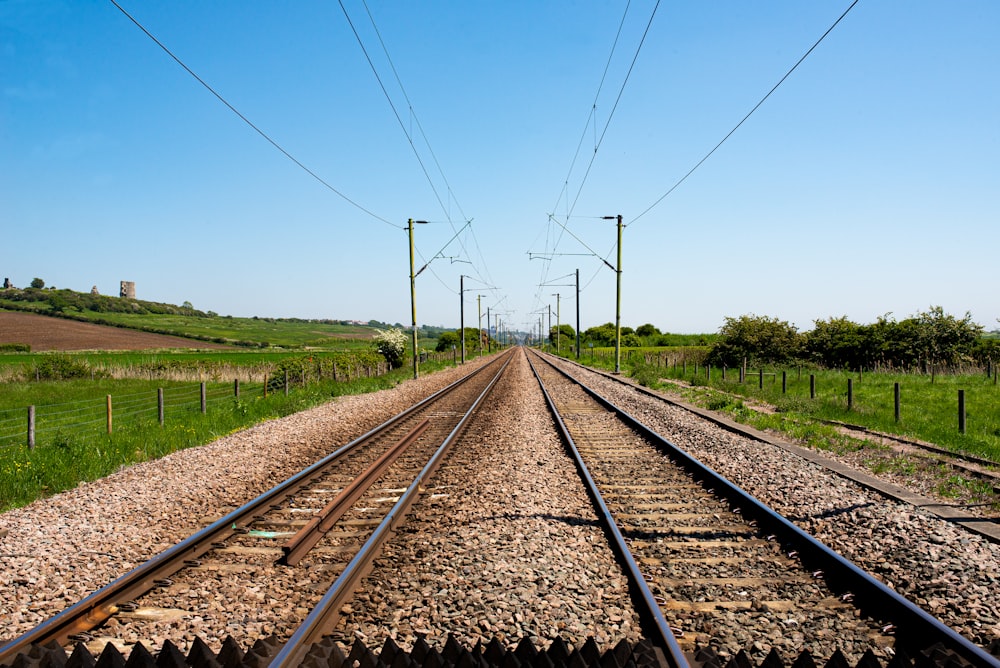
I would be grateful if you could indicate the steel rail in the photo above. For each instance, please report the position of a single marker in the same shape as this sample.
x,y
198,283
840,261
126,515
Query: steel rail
x,y
314,530
658,629
100,606
916,628
325,615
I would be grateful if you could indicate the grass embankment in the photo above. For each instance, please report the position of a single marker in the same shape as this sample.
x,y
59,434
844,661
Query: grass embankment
x,y
72,440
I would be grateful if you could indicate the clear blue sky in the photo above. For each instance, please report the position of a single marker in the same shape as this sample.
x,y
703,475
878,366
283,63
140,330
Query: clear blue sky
x,y
868,183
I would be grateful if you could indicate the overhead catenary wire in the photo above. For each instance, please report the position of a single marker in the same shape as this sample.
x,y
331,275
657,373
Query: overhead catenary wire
x,y
250,123
599,141
409,138
749,114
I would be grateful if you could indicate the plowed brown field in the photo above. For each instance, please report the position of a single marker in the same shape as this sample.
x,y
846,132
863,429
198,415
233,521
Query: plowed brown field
x,y
45,333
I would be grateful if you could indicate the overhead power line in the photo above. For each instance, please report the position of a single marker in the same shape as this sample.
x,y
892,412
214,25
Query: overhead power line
x,y
409,137
250,123
750,113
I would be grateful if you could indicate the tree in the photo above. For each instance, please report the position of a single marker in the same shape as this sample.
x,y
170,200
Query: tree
x,y
602,335
37,283
647,330
758,339
945,339
836,343
446,341
567,335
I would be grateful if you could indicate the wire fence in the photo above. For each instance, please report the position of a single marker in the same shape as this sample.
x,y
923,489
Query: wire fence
x,y
37,425
34,425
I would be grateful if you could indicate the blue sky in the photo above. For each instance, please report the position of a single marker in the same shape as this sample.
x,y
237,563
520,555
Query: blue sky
x,y
868,183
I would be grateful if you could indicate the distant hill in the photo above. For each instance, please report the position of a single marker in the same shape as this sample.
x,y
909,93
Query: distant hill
x,y
182,321
44,333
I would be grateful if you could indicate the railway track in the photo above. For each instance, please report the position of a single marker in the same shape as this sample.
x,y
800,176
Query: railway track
x,y
699,562
281,550
710,556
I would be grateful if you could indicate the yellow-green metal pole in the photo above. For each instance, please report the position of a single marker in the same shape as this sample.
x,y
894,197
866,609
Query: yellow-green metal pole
x,y
618,304
413,299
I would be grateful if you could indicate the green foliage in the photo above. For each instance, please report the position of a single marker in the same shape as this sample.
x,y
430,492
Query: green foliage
x,y
647,330
647,375
446,340
37,283
600,336
563,336
630,340
56,366
15,348
836,343
759,339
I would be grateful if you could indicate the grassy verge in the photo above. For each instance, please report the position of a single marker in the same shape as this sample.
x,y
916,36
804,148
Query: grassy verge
x,y
73,444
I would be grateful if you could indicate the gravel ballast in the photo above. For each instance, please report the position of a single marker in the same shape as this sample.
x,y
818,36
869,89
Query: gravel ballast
x,y
519,554
951,573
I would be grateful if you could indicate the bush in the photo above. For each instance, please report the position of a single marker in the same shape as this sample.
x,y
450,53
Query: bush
x,y
60,367
15,348
391,344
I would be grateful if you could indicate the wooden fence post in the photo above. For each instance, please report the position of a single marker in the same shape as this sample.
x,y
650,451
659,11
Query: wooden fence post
x,y
236,388
109,413
784,382
286,382
204,404
760,383
31,427
895,395
812,386
961,411
850,393
159,404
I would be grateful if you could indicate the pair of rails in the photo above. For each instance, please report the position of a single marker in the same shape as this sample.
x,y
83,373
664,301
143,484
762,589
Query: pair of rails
x,y
914,629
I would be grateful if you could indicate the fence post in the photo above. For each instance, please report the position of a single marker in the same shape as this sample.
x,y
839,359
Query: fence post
x,y
895,395
708,373
204,407
31,427
159,404
850,393
286,382
760,383
784,381
267,379
961,411
109,413
236,388
723,372
812,386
